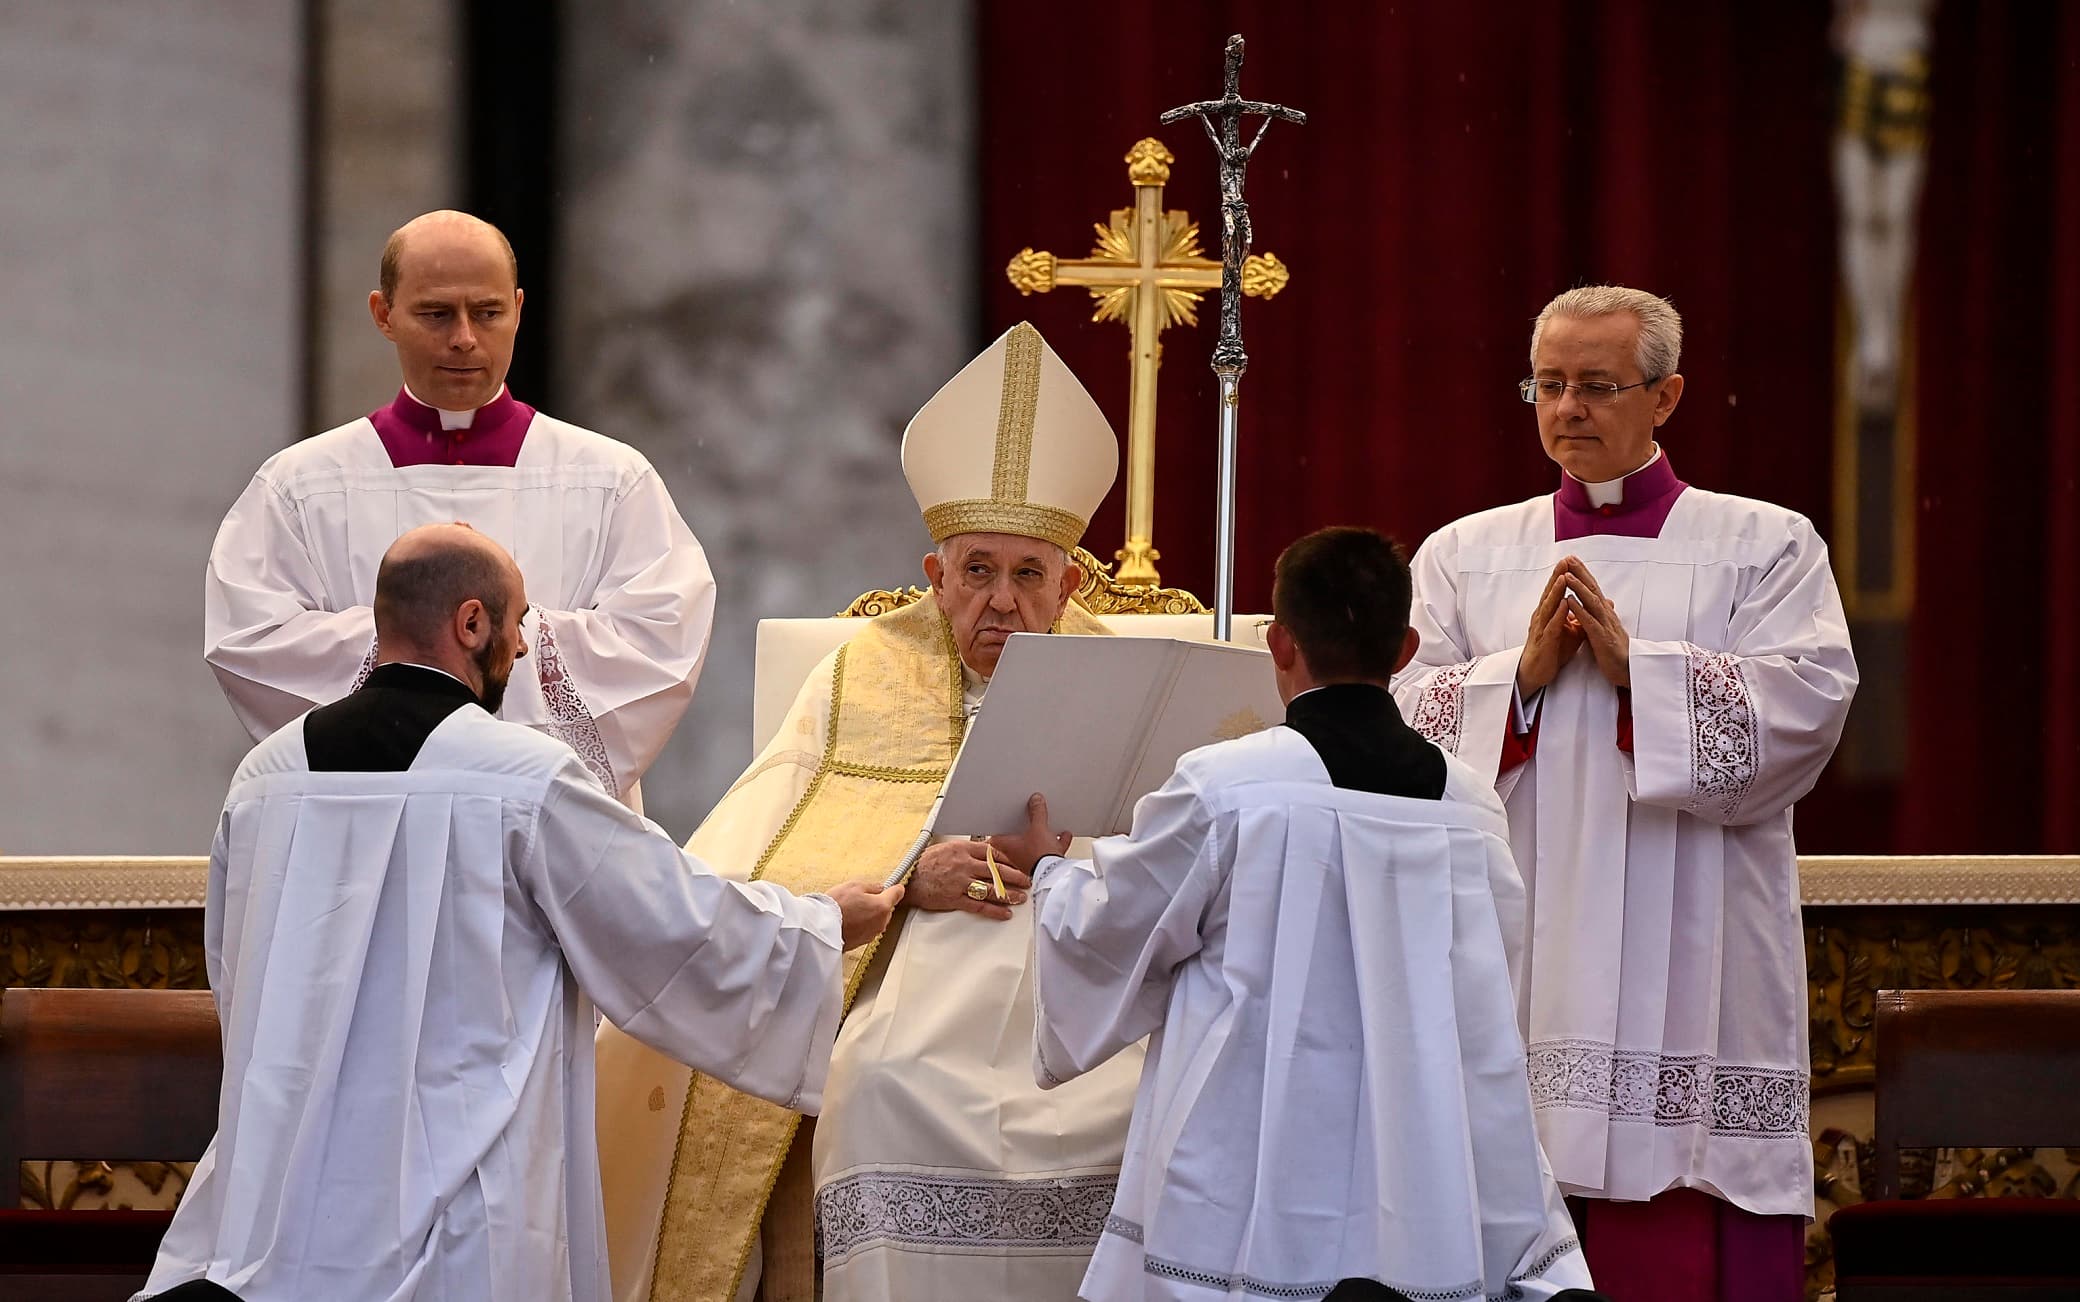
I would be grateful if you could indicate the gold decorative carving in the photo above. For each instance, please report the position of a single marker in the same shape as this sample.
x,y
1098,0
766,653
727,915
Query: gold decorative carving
x,y
880,601
1853,951
1938,879
103,882
125,949
1031,272
1099,593
109,1186
1102,594
1118,242
1145,270
1148,162
1263,275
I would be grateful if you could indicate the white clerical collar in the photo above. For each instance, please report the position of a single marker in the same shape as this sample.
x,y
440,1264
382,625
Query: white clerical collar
x,y
973,685
431,668
452,419
1610,492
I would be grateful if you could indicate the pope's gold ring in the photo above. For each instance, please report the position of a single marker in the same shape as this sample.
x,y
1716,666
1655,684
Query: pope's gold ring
x,y
978,890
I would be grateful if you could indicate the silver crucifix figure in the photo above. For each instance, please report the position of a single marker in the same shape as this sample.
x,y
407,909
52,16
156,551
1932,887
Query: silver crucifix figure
x,y
1229,360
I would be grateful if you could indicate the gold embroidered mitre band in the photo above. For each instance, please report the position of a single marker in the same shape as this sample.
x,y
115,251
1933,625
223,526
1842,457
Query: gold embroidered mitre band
x,y
896,719
1050,462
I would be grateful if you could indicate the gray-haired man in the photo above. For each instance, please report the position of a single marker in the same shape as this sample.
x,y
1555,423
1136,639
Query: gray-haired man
x,y
1654,673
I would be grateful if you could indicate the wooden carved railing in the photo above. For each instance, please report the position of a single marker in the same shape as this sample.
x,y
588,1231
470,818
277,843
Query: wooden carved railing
x,y
1870,924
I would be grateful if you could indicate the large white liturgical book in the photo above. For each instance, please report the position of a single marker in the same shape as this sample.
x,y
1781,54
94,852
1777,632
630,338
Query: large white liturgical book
x,y
1096,723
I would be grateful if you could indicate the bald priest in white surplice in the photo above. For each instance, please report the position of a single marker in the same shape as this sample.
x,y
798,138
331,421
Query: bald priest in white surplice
x,y
940,1169
624,596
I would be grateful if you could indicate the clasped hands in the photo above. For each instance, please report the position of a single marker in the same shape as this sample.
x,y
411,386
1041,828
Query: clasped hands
x,y
944,874
1573,613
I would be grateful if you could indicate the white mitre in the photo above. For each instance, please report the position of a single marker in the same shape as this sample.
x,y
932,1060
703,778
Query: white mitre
x,y
1012,444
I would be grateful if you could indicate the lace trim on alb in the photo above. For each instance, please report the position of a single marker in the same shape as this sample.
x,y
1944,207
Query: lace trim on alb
x,y
1725,742
1442,707
368,666
569,721
960,1212
1733,1100
1228,1282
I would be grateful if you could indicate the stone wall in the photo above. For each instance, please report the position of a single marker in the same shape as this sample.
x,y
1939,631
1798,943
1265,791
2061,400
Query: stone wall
x,y
766,268
150,358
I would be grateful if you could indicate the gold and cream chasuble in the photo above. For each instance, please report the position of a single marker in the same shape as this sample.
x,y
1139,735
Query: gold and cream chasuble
x,y
940,1167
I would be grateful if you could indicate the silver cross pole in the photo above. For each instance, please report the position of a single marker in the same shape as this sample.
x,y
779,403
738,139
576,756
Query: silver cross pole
x,y
1229,361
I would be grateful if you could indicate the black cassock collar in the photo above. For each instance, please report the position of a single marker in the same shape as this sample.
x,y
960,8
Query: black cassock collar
x,y
380,728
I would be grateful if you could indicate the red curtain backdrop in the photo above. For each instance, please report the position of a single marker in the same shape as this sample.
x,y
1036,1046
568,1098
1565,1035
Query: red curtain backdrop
x,y
1463,163
1994,759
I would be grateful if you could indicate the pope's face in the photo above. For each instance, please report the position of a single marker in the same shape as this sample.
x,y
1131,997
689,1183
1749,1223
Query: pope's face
x,y
453,316
1597,443
992,585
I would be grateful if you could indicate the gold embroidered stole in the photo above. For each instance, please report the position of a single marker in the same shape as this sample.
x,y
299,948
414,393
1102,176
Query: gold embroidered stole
x,y
895,722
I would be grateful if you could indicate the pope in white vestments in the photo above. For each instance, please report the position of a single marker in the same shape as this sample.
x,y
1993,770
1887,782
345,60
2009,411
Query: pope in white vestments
x,y
938,1169
413,910
624,595
1655,673
1319,928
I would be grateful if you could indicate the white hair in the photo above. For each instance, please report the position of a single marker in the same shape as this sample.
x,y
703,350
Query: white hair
x,y
1660,346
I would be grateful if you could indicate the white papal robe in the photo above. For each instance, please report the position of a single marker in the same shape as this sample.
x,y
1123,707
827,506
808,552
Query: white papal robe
x,y
622,598
406,965
1666,1020
942,1172
1335,1082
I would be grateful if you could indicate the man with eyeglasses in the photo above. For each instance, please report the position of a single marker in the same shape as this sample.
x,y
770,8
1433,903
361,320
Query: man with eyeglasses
x,y
1654,673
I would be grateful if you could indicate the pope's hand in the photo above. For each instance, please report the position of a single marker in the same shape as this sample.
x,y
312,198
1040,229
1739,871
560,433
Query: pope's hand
x,y
866,908
1036,842
940,883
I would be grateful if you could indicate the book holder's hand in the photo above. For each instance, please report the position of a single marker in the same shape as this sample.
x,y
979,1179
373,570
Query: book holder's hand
x,y
1035,843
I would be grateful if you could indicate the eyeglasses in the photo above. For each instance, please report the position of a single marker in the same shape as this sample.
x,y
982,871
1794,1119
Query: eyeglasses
x,y
1594,393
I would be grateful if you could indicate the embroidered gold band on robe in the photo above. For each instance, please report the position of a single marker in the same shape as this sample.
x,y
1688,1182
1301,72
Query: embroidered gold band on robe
x,y
895,722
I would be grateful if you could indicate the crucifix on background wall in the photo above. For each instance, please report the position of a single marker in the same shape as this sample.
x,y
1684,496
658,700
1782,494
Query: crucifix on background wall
x,y
1146,270
1880,161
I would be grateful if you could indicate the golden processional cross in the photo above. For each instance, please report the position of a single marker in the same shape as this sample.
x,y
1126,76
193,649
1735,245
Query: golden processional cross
x,y
1147,271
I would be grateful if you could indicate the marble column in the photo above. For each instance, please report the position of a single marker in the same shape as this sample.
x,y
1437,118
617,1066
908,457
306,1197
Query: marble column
x,y
150,209
388,140
767,266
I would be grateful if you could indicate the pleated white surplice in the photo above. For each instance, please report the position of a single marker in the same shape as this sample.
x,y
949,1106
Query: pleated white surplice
x,y
1335,1081
621,590
1666,1019
406,964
